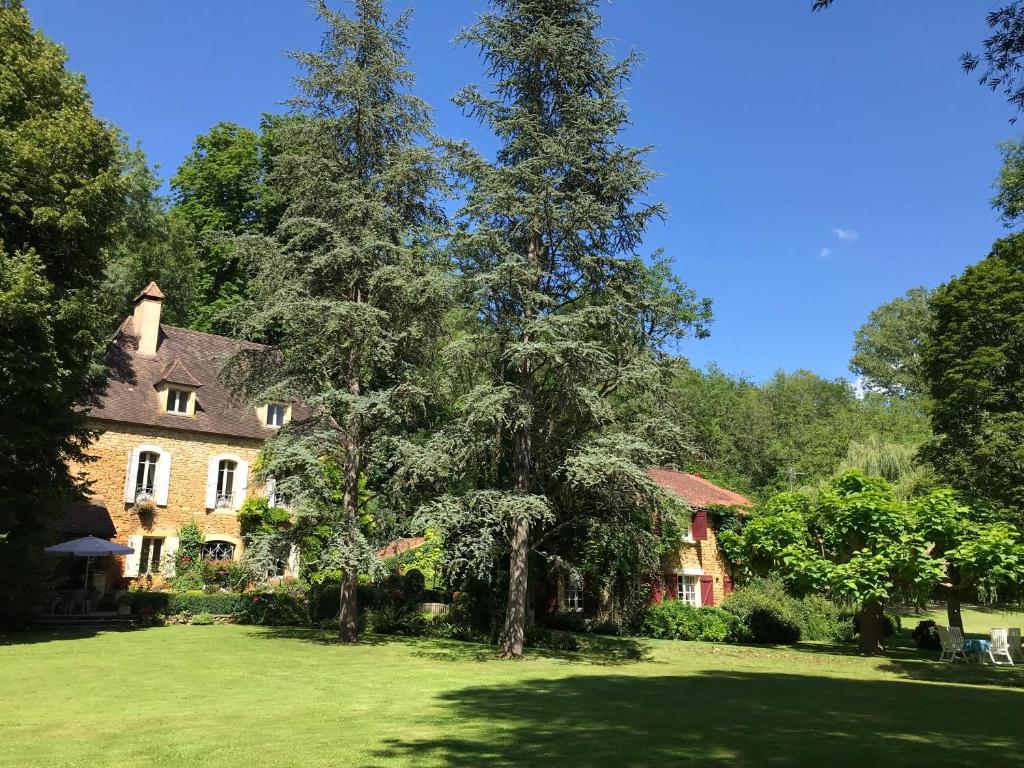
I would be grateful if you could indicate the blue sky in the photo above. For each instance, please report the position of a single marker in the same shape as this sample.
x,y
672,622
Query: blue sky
x,y
815,165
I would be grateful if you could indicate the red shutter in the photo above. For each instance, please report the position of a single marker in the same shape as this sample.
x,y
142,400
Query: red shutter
x,y
656,592
700,526
727,585
671,587
707,590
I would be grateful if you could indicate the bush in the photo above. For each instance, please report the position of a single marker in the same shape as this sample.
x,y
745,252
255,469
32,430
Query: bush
x,y
891,625
926,636
821,620
202,619
395,620
766,612
224,574
565,621
190,547
444,628
772,626
196,602
556,640
285,606
675,620
604,627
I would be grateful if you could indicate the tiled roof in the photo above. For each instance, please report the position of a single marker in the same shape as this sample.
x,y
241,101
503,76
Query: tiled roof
x,y
398,546
697,491
88,517
129,393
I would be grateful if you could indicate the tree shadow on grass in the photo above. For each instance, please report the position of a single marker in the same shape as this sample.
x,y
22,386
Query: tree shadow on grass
x,y
719,719
594,649
317,636
34,636
931,671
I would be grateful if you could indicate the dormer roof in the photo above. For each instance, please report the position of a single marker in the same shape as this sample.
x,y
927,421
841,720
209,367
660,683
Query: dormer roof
x,y
177,373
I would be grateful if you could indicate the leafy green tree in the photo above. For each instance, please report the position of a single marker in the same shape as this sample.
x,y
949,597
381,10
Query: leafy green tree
x,y
220,192
887,348
566,322
1009,198
973,362
150,244
855,540
983,558
344,288
61,201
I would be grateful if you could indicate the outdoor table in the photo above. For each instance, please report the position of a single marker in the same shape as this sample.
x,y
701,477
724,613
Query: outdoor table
x,y
978,648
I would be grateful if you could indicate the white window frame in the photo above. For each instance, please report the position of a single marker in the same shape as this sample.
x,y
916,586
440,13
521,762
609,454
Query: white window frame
x,y
573,597
145,475
281,410
150,565
226,471
161,480
239,486
685,585
181,401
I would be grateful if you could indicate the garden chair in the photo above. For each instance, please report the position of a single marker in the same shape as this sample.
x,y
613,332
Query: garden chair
x,y
952,648
1000,648
1013,636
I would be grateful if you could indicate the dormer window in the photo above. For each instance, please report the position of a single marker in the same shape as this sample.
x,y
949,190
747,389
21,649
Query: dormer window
x,y
275,415
177,400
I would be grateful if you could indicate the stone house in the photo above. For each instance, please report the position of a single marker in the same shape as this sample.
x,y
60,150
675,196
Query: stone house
x,y
173,446
696,573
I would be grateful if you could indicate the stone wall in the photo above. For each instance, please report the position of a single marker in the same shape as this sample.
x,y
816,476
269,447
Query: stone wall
x,y
186,498
707,556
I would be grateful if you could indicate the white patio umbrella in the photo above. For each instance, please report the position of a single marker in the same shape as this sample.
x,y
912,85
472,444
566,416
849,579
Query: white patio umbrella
x,y
89,547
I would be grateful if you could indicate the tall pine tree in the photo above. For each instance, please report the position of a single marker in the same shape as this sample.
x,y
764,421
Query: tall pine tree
x,y
569,324
344,290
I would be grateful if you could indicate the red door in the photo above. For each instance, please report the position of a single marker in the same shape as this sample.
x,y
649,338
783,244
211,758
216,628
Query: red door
x,y
707,590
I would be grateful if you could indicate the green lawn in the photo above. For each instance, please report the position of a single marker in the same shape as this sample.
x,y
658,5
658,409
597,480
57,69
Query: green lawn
x,y
978,620
253,697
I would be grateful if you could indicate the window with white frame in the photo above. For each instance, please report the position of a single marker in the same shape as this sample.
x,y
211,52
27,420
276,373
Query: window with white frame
x,y
177,401
149,555
687,589
226,483
573,596
145,476
275,415
218,550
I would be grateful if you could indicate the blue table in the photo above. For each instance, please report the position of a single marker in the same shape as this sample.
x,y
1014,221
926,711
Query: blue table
x,y
977,648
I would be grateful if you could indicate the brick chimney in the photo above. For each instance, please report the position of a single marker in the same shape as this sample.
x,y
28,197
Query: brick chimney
x,y
146,318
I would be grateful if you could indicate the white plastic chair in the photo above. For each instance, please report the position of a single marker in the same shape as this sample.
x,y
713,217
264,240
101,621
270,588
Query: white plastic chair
x,y
1013,636
952,640
1000,648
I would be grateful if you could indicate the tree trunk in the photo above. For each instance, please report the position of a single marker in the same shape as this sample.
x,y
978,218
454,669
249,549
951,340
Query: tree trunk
x,y
347,614
511,646
347,610
953,601
870,620
512,634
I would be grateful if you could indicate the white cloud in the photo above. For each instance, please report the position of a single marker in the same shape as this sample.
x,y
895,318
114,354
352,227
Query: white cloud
x,y
825,252
845,234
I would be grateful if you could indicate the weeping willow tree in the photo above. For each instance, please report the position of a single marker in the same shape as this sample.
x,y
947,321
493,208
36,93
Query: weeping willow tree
x,y
895,462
